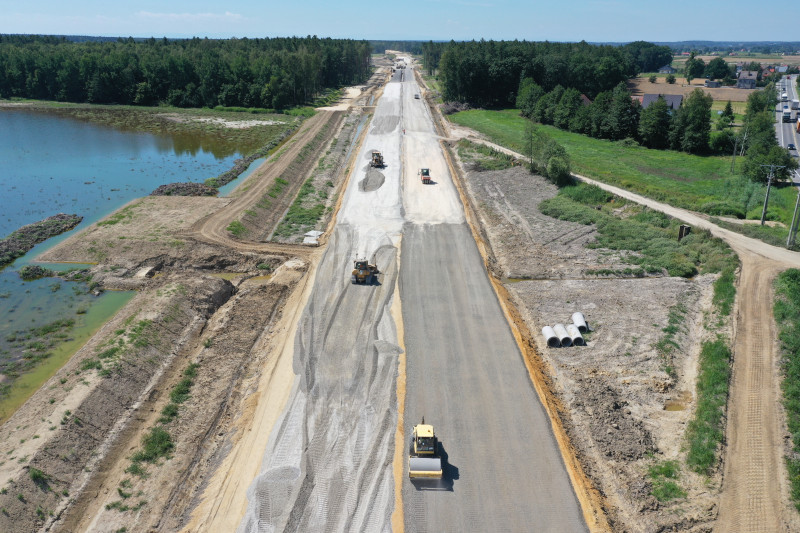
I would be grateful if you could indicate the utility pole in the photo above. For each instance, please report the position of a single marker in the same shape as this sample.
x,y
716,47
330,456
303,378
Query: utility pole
x,y
735,144
793,226
769,185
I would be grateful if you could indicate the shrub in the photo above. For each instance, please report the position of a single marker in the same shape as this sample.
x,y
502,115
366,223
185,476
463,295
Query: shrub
x,y
155,444
237,228
720,208
38,477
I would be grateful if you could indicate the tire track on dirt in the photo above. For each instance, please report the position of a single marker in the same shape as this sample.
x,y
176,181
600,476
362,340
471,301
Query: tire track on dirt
x,y
213,229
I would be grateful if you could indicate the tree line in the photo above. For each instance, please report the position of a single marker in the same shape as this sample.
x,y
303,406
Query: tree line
x,y
487,73
614,115
268,73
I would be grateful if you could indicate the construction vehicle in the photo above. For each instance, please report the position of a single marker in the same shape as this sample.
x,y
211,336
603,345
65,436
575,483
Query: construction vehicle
x,y
798,124
423,454
377,159
425,174
363,272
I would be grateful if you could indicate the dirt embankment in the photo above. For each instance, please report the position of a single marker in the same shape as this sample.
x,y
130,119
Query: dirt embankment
x,y
623,410
69,467
227,361
59,435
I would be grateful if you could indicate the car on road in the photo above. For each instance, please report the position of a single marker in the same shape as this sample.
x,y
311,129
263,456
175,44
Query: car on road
x,y
790,146
416,96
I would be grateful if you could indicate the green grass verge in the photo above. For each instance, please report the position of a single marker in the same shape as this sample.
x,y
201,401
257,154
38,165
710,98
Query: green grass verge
x,y
787,316
662,477
706,429
725,291
483,157
698,183
236,228
652,235
666,345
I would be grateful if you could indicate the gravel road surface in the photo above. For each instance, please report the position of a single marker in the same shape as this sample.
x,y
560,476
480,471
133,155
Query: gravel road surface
x,y
328,465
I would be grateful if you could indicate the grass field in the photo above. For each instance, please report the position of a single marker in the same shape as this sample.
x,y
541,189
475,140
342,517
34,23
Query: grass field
x,y
698,183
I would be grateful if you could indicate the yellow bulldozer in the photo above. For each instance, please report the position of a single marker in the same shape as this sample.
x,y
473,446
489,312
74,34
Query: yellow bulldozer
x,y
423,455
363,272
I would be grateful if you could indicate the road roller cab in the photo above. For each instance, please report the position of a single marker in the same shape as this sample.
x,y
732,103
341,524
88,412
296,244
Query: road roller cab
x,y
423,458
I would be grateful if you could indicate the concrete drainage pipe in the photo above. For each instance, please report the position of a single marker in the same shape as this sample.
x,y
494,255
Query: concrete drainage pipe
x,y
562,334
551,337
575,335
580,322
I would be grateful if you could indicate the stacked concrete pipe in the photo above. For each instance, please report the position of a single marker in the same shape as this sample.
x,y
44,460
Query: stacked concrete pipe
x,y
571,335
575,335
580,321
562,334
550,335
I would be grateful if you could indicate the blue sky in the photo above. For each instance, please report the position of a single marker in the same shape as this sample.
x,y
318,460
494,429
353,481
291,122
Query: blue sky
x,y
565,20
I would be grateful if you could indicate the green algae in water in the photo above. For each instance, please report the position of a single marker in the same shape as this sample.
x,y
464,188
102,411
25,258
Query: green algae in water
x,y
105,306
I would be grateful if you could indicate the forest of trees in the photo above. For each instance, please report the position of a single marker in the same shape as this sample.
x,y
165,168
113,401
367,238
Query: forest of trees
x,y
268,73
488,73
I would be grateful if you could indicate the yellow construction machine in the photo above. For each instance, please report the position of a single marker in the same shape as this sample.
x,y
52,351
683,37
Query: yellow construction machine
x,y
363,272
377,159
423,454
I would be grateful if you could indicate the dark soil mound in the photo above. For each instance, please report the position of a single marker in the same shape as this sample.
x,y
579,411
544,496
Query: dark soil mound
x,y
32,272
184,189
18,243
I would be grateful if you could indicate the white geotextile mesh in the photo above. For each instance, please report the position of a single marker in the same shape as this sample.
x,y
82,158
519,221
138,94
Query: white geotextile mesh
x,y
328,464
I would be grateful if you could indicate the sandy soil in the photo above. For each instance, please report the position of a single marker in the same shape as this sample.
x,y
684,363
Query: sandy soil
x,y
233,124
